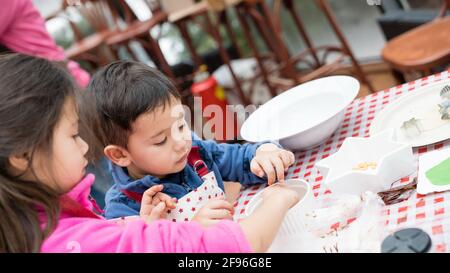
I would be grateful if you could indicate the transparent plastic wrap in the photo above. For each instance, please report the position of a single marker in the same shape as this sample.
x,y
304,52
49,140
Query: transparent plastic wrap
x,y
345,223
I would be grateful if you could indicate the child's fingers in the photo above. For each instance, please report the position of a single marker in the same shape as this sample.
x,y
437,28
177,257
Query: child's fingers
x,y
170,204
220,204
279,168
292,157
145,210
286,160
220,214
269,170
157,212
162,197
147,196
155,200
154,189
256,168
173,203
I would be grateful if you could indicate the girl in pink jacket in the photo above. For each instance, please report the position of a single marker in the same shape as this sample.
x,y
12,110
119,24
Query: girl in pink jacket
x,y
44,190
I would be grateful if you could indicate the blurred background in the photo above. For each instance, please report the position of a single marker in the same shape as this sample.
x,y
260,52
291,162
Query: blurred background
x,y
245,52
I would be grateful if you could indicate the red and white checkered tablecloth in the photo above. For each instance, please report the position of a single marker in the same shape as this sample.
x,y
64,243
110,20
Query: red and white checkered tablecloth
x,y
430,212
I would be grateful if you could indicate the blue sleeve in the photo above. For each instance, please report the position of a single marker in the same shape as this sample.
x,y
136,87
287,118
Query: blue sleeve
x,y
233,160
118,205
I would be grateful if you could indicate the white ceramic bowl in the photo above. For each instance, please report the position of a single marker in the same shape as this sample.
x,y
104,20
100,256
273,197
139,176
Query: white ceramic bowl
x,y
393,160
304,116
294,220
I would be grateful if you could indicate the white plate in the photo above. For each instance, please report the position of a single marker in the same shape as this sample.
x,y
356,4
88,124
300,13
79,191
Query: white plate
x,y
426,162
421,104
303,116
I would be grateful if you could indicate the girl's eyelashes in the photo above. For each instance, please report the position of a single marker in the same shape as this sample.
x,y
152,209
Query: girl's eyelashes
x,y
162,142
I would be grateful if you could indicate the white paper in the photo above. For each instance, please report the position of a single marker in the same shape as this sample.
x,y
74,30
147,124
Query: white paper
x,y
426,162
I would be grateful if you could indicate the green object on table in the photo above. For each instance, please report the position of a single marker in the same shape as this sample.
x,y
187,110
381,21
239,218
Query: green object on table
x,y
440,174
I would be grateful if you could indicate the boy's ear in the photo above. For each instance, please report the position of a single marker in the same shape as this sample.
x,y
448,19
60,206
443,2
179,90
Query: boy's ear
x,y
19,162
117,155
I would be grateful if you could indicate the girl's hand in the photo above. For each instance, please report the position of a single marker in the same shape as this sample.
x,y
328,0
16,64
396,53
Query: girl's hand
x,y
155,203
272,161
213,212
280,193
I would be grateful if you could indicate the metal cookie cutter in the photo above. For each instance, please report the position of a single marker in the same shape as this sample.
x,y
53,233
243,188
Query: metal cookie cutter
x,y
412,127
444,106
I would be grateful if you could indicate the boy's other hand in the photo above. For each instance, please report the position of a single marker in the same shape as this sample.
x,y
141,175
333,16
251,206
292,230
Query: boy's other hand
x,y
271,161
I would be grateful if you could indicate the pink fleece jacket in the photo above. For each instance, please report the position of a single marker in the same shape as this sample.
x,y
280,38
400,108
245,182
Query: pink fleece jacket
x,y
22,30
81,234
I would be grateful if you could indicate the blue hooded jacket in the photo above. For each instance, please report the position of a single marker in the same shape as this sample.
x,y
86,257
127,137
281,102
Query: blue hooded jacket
x,y
230,162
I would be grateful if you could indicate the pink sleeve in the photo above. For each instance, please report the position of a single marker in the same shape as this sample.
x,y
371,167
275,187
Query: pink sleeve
x,y
26,33
22,30
81,76
226,236
97,235
7,12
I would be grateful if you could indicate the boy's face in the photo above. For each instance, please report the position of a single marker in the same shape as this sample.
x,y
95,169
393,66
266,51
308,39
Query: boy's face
x,y
159,143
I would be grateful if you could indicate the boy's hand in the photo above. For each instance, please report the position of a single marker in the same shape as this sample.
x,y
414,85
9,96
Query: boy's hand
x,y
272,161
155,204
214,211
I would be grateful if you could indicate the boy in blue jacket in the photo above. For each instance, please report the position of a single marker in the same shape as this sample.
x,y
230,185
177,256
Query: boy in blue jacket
x,y
152,151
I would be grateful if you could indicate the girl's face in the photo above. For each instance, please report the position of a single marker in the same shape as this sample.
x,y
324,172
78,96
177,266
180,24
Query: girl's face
x,y
67,163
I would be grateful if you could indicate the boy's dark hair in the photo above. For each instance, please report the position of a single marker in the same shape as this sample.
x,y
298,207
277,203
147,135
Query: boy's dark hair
x,y
124,90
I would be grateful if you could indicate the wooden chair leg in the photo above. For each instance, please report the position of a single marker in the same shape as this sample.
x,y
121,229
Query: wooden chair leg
x,y
399,77
260,23
241,12
130,50
225,58
289,4
159,57
223,18
427,72
282,49
182,26
333,22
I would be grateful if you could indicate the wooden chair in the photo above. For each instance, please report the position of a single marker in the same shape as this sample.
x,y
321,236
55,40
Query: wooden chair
x,y
139,31
183,12
268,24
422,48
92,47
111,31
257,13
319,67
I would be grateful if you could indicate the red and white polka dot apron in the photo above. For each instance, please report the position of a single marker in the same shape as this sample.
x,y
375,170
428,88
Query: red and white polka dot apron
x,y
189,205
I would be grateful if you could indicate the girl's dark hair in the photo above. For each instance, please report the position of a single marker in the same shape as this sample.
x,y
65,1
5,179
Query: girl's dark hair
x,y
32,94
119,93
